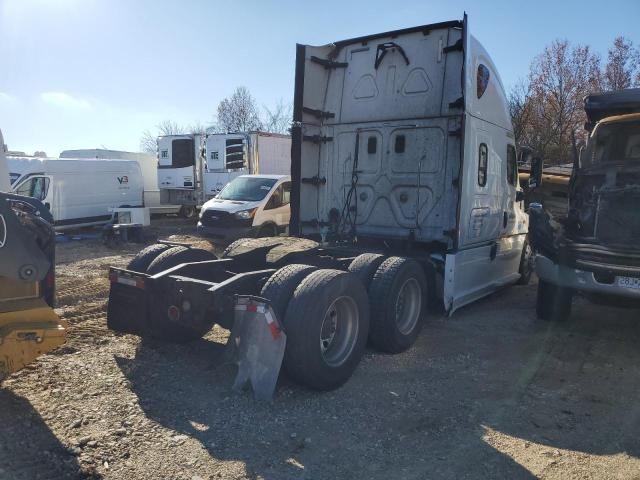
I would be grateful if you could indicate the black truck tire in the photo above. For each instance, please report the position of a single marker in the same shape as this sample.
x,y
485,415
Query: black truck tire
x,y
553,303
326,323
364,267
143,259
231,248
527,263
398,299
188,212
177,255
281,285
267,230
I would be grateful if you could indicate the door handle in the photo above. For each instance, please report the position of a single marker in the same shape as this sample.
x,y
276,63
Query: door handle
x,y
505,220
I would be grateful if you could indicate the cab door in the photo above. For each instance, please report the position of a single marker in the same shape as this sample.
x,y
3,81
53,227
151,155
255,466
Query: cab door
x,y
38,187
277,209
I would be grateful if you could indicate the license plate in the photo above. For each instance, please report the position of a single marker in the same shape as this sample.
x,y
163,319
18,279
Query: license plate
x,y
628,282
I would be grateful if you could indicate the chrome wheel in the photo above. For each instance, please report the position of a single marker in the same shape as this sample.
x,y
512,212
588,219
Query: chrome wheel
x,y
408,306
339,331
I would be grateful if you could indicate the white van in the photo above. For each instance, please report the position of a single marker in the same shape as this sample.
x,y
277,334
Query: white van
x,y
249,205
81,192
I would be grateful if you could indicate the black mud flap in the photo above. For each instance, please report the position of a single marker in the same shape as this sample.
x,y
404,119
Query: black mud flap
x,y
127,310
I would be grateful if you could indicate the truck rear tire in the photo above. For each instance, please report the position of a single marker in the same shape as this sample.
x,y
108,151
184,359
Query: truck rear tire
x,y
553,303
326,323
398,298
232,247
281,285
364,267
175,256
143,259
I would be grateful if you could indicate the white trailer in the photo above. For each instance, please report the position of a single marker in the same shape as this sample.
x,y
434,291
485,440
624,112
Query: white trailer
x,y
194,168
81,192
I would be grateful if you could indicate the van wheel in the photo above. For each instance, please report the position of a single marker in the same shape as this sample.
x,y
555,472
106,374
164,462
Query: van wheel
x,y
398,298
553,303
326,323
143,259
187,211
175,256
281,285
268,230
527,263
364,267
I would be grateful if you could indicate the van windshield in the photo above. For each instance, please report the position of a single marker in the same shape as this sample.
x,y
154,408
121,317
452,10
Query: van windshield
x,y
247,189
614,143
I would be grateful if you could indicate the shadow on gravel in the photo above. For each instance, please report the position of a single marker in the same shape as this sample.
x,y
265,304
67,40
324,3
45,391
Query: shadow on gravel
x,y
492,369
28,449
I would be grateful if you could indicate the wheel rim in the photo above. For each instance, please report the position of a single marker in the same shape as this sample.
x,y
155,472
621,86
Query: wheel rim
x,y
339,331
408,306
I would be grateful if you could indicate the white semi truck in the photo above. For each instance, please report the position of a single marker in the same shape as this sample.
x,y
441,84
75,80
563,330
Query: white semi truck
x,y
404,197
193,168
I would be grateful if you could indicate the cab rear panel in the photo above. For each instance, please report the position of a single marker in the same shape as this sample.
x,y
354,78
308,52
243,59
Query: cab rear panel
x,y
377,134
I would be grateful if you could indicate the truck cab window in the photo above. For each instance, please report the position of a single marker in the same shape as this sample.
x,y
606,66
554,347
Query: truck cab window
x,y
482,80
483,162
372,145
286,193
276,199
512,166
35,187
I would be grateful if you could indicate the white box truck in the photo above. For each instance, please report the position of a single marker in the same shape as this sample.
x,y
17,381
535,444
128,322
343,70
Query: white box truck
x,y
194,168
81,192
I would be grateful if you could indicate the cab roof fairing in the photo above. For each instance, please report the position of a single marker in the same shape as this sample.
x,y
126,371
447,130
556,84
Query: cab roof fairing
x,y
492,106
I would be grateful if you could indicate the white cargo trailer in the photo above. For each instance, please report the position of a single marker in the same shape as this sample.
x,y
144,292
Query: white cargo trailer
x,y
194,168
81,192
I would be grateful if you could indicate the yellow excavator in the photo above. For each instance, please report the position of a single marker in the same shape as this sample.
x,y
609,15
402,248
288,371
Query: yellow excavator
x,y
29,326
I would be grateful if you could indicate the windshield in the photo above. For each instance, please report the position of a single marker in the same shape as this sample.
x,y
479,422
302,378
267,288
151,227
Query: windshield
x,y
614,143
247,189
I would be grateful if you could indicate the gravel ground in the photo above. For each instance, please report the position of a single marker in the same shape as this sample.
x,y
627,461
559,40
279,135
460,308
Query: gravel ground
x,y
489,393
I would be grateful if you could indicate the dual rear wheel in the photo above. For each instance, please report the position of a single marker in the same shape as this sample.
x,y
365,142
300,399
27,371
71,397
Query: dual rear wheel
x,y
328,315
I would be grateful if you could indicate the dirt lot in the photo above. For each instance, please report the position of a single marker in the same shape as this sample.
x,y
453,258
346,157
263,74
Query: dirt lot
x,y
488,393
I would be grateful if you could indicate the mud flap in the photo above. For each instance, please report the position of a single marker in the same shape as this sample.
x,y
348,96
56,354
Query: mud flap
x,y
256,344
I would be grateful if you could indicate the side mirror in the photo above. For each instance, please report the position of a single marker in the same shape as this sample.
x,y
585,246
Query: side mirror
x,y
535,178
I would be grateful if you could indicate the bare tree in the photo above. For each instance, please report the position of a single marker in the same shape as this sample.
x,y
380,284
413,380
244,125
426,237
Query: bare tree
x,y
520,108
622,69
560,78
166,127
239,112
279,119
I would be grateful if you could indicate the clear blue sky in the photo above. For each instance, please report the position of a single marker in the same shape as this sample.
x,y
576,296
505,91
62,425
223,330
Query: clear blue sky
x,y
91,73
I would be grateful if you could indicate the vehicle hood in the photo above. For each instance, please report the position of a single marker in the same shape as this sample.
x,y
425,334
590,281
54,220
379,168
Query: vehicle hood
x,y
229,206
